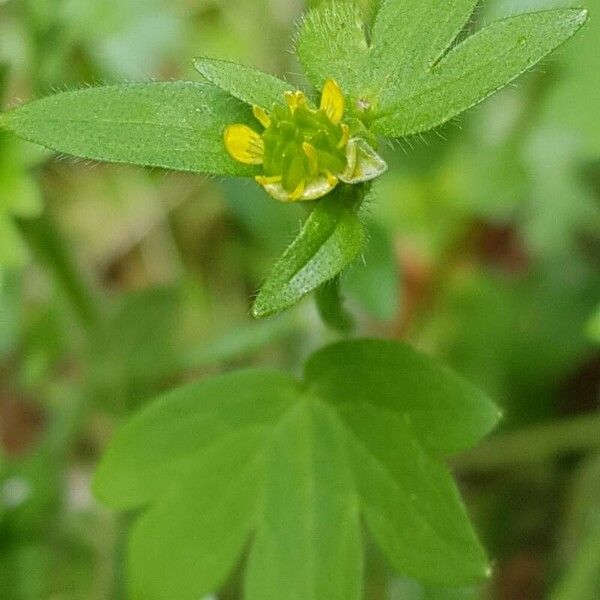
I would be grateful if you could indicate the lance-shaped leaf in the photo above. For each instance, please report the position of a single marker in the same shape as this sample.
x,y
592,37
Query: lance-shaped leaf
x,y
411,78
410,36
331,44
330,239
473,70
292,466
245,83
171,125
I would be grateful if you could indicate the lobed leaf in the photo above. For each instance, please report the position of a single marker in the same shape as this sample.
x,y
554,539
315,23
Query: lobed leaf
x,y
411,78
175,125
141,464
375,372
309,541
293,466
330,239
474,70
245,83
410,36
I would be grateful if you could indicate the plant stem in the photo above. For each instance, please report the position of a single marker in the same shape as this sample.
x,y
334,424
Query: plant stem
x,y
331,307
534,444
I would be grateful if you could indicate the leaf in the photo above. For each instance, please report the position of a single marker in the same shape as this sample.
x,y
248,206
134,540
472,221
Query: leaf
x,y
374,280
410,36
474,70
245,83
293,465
406,80
309,540
330,305
331,43
571,102
171,125
329,241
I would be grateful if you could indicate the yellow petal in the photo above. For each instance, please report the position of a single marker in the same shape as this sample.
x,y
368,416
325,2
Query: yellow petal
x,y
332,101
244,144
262,115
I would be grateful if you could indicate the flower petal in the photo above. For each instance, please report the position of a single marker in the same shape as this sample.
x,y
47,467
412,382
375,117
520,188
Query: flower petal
x,y
244,144
332,101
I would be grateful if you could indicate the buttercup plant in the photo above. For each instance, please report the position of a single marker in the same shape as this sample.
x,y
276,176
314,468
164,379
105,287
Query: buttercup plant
x,y
403,76
297,466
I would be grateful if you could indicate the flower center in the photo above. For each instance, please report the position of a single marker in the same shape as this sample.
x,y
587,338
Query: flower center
x,y
305,151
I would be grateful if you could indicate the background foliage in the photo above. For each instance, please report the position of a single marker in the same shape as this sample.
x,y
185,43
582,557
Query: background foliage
x,y
484,252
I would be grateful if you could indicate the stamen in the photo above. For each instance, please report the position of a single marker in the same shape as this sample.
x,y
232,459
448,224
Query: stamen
x,y
311,153
262,116
297,193
345,136
268,179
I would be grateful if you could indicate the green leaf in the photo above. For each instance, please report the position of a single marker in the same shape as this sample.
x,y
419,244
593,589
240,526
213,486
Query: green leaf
x,y
410,36
374,280
474,70
330,304
309,540
293,466
172,125
410,79
245,83
329,241
331,43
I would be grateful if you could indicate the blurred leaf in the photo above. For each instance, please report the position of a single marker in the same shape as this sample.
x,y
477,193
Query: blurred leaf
x,y
271,224
24,571
298,462
593,326
572,99
245,83
536,324
172,125
374,280
137,348
330,304
581,580
239,342
405,589
473,70
329,241
561,208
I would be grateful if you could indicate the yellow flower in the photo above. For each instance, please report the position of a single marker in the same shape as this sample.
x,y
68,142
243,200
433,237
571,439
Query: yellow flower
x,y
304,151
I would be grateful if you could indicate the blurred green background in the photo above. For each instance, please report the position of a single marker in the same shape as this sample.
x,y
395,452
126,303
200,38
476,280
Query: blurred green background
x,y
117,283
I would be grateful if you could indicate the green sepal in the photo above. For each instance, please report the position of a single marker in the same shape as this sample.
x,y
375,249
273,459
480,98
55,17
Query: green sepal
x,y
245,83
330,239
175,125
